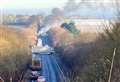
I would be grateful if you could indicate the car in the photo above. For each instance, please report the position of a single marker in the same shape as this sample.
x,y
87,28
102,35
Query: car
x,y
36,63
45,50
30,75
1,80
41,79
35,68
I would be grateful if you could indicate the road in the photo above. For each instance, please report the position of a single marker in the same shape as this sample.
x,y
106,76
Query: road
x,y
51,70
50,67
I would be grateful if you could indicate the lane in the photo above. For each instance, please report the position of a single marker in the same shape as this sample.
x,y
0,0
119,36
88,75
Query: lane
x,y
48,71
51,69
45,69
57,68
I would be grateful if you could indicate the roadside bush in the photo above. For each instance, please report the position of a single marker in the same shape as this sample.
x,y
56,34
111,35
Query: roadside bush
x,y
14,54
91,62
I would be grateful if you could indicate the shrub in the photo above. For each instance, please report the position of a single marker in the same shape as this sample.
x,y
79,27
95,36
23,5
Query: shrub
x,y
14,53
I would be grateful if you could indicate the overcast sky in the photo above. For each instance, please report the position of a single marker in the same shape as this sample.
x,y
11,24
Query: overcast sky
x,y
20,4
37,6
38,3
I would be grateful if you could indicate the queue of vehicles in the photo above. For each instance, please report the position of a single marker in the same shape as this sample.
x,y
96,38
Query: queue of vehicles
x,y
34,73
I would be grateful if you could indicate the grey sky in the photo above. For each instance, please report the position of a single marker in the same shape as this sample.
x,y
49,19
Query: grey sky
x,y
20,4
41,6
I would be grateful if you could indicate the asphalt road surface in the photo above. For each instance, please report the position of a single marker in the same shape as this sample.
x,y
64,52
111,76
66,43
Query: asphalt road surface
x,y
51,70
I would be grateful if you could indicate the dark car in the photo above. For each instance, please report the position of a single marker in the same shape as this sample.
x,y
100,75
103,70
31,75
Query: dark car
x,y
30,76
36,63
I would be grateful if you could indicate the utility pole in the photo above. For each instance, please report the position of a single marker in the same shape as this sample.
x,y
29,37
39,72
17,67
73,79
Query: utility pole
x,y
112,64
